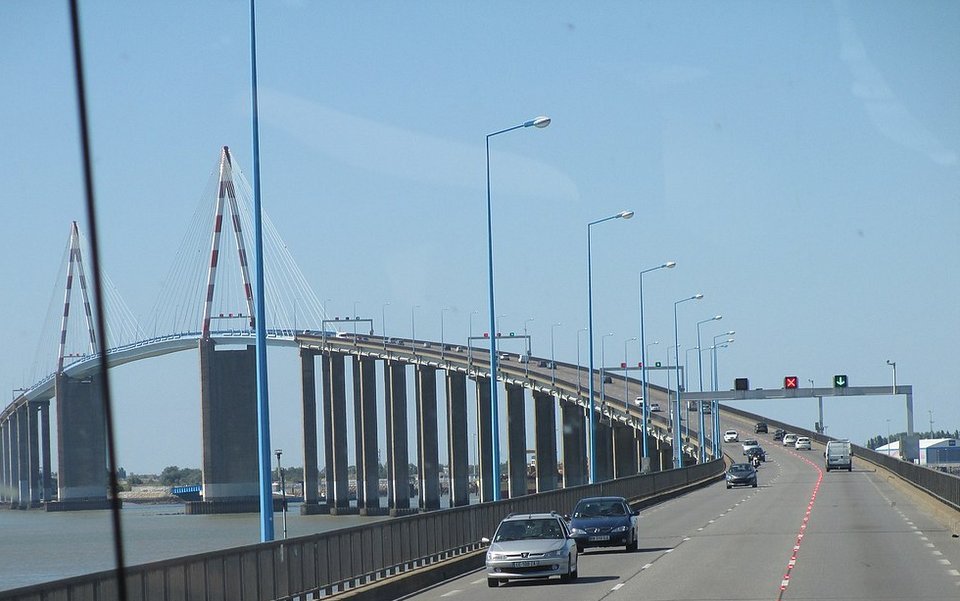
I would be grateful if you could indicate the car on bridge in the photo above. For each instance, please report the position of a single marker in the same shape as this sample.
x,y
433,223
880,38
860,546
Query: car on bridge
x,y
531,545
756,451
803,443
741,474
654,406
731,436
779,433
760,428
605,522
750,444
789,440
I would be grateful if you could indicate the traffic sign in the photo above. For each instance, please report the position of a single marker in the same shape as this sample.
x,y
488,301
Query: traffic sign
x,y
790,382
840,381
741,384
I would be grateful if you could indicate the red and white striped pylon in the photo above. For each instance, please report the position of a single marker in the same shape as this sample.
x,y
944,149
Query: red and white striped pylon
x,y
75,261
226,191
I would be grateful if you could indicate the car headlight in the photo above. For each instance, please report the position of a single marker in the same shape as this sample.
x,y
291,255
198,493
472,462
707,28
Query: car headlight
x,y
620,529
550,554
730,476
576,531
494,556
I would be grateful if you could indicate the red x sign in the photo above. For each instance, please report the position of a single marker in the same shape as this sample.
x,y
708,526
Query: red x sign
x,y
790,382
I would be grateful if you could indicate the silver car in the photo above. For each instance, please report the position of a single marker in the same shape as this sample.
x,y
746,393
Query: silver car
x,y
531,545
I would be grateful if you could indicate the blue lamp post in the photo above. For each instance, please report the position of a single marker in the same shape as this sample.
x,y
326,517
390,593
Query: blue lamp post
x,y
716,386
643,359
593,417
539,122
677,448
702,453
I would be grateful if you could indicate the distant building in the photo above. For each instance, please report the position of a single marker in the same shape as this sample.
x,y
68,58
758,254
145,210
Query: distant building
x,y
939,451
892,449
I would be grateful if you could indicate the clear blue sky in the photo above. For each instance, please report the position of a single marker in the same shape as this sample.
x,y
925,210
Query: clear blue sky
x,y
799,161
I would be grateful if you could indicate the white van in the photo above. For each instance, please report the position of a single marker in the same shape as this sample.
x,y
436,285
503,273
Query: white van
x,y
838,455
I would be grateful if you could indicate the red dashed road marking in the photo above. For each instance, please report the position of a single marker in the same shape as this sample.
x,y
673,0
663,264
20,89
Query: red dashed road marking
x,y
785,582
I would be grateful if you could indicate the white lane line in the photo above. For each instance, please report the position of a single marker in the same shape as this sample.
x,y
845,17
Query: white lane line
x,y
617,587
700,529
953,572
931,545
478,581
645,566
944,562
669,551
451,593
936,552
686,538
924,538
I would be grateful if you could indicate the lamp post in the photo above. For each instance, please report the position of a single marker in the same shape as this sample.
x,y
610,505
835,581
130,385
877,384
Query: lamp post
x,y
442,345
669,396
893,364
470,325
686,377
716,403
579,369
540,123
383,323
355,317
677,452
645,410
525,322
626,372
413,327
553,356
283,493
499,317
593,418
701,438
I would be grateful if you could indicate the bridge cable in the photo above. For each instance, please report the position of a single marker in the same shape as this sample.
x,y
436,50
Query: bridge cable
x,y
98,296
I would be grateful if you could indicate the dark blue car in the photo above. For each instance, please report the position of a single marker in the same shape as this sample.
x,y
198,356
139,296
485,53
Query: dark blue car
x,y
605,522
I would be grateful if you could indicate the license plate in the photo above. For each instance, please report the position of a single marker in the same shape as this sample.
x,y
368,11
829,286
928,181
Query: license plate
x,y
598,538
524,564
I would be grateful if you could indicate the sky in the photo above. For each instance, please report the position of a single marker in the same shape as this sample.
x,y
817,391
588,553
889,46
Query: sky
x,y
798,160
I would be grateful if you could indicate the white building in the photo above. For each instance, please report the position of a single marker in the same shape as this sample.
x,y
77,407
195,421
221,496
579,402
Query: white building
x,y
939,451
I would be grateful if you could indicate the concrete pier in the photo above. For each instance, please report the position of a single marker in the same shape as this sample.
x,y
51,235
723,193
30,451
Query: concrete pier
x,y
81,444
365,377
574,445
34,468
458,442
545,440
4,461
228,418
604,446
308,398
516,441
335,414
398,459
624,450
485,440
428,461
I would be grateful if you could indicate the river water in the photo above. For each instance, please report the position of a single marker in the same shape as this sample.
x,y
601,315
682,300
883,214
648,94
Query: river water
x,y
36,546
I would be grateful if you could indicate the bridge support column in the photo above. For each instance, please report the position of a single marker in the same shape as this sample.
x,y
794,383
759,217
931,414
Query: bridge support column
x,y
33,468
458,444
82,445
5,461
308,398
428,459
545,443
228,420
23,457
574,445
365,377
485,442
604,462
46,481
398,459
335,414
624,451
516,441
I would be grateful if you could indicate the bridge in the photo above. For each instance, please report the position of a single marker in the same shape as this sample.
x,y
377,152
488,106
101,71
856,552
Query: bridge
x,y
773,541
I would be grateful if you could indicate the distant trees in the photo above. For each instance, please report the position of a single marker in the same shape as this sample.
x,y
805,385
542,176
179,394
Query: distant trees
x,y
175,476
880,440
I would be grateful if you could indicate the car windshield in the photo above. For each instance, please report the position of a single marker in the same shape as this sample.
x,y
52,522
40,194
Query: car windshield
x,y
740,467
593,509
528,529
750,443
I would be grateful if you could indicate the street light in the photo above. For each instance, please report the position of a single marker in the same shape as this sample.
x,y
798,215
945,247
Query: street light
x,y
593,418
626,380
283,493
701,439
499,317
442,345
893,364
525,322
470,326
540,123
677,454
383,323
355,317
413,327
579,363
716,403
643,358
553,357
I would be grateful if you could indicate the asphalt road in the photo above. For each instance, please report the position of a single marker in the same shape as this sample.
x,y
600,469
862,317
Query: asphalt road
x,y
862,539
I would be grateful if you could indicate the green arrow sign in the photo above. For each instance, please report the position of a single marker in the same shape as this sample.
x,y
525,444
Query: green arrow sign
x,y
840,381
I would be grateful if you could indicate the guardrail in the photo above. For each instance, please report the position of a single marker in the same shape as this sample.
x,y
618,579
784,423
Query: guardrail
x,y
942,486
327,563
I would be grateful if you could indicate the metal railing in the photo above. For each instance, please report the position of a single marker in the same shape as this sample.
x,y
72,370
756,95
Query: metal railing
x,y
324,564
943,486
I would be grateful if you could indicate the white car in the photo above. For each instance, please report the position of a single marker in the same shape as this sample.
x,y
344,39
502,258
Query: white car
x,y
802,444
638,401
654,406
731,436
750,444
789,440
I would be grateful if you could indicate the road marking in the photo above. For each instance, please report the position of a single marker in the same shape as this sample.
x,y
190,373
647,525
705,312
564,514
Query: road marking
x,y
669,551
479,580
953,572
686,538
924,538
451,593
700,529
646,566
936,552
617,587
945,562
931,545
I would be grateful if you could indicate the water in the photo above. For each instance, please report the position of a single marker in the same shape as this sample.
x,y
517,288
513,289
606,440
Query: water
x,y
36,546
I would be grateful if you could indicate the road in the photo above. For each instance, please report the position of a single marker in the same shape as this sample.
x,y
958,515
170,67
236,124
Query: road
x,y
863,539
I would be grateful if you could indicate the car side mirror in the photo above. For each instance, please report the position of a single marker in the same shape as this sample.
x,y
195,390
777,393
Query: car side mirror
x,y
485,541
636,512
566,517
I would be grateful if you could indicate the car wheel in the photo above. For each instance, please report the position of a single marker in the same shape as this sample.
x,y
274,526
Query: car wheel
x,y
493,582
575,573
828,470
728,487
632,546
754,484
579,548
850,469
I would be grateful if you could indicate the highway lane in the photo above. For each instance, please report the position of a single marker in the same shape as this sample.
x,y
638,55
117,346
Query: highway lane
x,y
863,539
